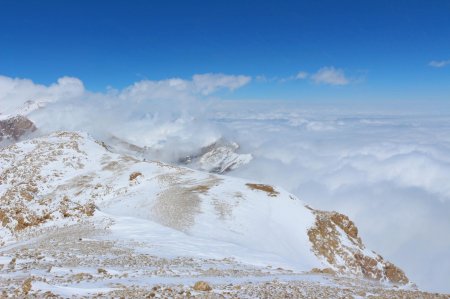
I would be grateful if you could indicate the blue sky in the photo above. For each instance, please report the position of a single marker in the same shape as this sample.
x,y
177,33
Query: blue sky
x,y
381,49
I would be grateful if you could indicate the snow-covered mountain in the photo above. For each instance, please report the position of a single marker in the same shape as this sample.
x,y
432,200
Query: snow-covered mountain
x,y
23,110
218,157
68,181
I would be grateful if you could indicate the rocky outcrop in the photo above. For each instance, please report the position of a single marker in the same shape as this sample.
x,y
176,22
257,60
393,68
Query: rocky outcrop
x,y
202,286
14,128
335,238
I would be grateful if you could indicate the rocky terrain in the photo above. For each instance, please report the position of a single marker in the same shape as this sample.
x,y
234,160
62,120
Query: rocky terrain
x,y
81,261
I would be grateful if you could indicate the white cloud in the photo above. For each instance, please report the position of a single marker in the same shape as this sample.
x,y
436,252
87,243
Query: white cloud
x,y
261,78
15,92
331,76
439,63
265,79
168,115
325,75
209,83
158,90
301,75
181,89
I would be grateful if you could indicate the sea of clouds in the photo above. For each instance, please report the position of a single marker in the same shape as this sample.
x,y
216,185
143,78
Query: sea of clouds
x,y
388,172
388,169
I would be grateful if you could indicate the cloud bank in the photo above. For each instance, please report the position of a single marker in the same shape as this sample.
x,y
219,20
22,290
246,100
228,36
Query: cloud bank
x,y
388,172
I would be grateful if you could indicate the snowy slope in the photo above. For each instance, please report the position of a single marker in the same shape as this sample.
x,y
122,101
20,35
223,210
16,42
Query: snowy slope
x,y
24,109
68,178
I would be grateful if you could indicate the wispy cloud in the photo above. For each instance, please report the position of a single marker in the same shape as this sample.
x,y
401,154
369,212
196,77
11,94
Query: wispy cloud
x,y
176,88
331,76
326,75
301,75
209,83
439,63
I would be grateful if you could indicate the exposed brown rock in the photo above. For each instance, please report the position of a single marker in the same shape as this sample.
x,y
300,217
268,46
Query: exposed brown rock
x,y
134,175
345,224
81,276
26,195
326,238
4,219
15,127
202,286
26,286
102,271
12,263
323,271
266,188
394,274
22,223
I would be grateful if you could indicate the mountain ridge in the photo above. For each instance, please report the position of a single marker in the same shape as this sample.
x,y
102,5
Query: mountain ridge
x,y
67,177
